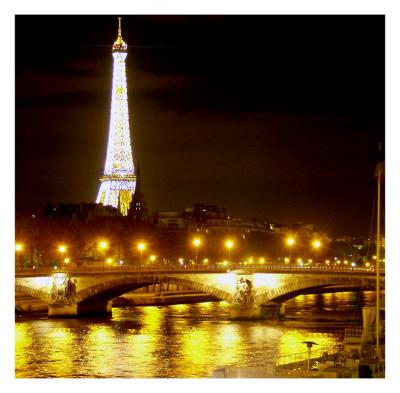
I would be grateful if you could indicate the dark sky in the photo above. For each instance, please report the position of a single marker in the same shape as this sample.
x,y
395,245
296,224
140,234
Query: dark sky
x,y
275,117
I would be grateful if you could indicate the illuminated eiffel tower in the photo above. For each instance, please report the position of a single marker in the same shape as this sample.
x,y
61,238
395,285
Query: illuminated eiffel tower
x,y
119,179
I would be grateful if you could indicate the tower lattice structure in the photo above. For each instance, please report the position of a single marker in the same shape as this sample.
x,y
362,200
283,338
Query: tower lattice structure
x,y
119,180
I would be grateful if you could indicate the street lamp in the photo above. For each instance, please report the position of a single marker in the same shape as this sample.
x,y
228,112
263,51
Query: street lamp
x,y
316,245
141,247
229,245
196,243
103,246
309,346
62,249
18,249
290,243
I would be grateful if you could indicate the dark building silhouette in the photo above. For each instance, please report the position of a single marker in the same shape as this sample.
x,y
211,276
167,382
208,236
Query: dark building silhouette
x,y
138,210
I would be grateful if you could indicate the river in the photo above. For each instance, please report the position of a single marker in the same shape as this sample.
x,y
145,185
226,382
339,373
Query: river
x,y
177,341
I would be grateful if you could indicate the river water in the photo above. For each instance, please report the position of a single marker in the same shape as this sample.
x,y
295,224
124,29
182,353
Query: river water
x,y
183,341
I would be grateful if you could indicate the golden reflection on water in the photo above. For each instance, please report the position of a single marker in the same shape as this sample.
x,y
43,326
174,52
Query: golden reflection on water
x,y
23,341
195,351
291,342
180,307
59,347
170,341
229,345
206,305
144,344
102,358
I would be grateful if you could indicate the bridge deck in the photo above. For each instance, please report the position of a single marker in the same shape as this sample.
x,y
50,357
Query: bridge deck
x,y
32,272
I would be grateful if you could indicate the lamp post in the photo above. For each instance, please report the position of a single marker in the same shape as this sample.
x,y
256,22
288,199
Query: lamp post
x,y
141,247
229,245
196,243
309,346
316,245
290,243
62,248
18,249
103,246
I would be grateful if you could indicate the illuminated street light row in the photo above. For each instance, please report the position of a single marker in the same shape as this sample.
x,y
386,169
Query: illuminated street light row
x,y
290,241
103,245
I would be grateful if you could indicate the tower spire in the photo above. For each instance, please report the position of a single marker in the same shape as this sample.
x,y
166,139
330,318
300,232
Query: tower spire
x,y
119,27
119,44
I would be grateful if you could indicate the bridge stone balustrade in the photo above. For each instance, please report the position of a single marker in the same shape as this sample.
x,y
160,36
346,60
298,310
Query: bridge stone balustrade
x,y
93,292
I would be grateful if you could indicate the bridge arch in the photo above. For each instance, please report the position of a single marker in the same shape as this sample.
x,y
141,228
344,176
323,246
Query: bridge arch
x,y
107,290
295,288
33,292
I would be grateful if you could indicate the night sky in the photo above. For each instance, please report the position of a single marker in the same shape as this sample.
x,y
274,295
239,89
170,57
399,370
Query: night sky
x,y
275,117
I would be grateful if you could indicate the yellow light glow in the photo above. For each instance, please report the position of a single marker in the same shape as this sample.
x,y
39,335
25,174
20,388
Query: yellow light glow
x,y
229,243
205,260
290,241
206,305
367,264
19,247
374,257
125,198
291,341
196,242
316,244
141,246
152,258
103,245
261,260
225,263
180,307
299,260
62,248
66,260
109,261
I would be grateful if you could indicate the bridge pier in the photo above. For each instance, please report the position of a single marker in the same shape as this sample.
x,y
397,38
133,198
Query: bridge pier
x,y
62,310
77,310
272,311
245,313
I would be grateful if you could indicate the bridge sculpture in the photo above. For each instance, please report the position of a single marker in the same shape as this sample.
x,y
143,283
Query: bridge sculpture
x,y
252,293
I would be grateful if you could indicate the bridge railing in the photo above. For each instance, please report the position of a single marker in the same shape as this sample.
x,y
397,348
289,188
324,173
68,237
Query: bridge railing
x,y
278,268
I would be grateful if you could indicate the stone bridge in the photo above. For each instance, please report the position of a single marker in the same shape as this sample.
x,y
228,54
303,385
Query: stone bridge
x,y
251,293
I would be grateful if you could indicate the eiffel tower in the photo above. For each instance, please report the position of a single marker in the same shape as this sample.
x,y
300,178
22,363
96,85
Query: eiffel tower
x,y
119,179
